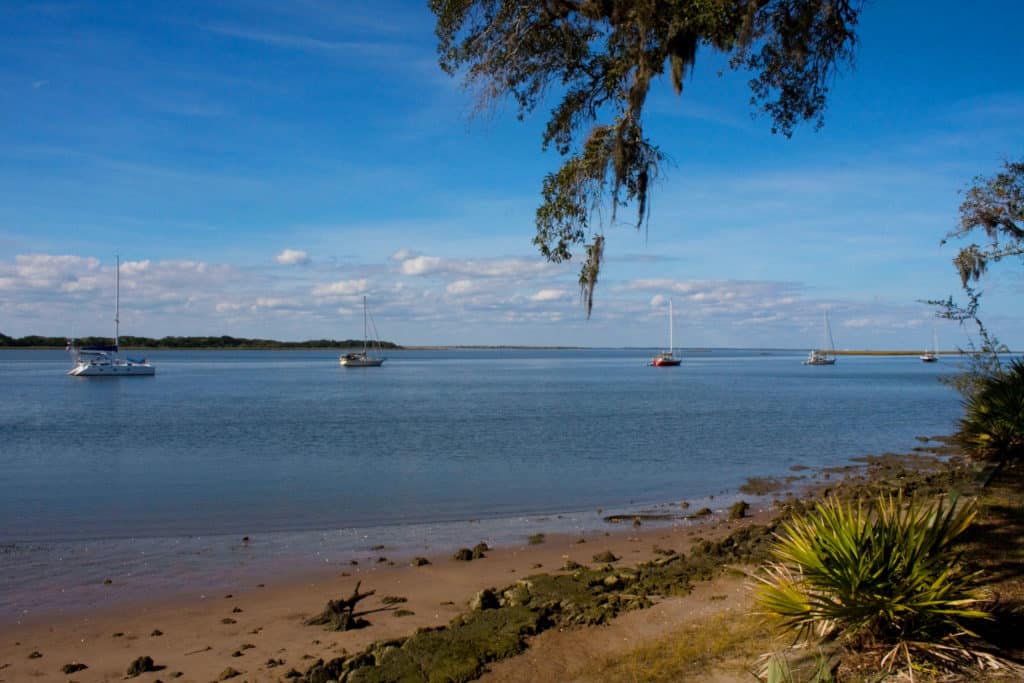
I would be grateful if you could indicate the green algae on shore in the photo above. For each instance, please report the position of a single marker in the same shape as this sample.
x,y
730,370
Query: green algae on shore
x,y
502,619
760,486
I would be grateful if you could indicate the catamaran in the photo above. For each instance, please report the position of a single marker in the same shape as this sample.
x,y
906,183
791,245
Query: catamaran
x,y
104,361
666,359
363,359
820,357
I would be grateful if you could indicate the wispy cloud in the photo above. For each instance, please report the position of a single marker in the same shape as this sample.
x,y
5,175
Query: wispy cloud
x,y
323,46
989,109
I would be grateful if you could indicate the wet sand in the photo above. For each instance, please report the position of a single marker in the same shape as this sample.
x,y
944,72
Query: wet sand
x,y
250,628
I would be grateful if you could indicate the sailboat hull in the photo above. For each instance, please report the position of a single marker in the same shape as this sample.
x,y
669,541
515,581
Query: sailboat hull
x,y
87,369
358,360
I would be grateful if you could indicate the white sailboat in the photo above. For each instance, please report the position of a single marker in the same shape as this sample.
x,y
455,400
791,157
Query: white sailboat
x,y
363,359
104,361
819,356
666,359
931,356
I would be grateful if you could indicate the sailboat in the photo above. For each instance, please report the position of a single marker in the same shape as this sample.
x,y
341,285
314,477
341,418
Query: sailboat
x,y
363,359
104,361
665,359
820,357
933,355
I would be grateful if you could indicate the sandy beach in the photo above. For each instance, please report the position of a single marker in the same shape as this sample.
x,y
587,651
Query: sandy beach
x,y
259,631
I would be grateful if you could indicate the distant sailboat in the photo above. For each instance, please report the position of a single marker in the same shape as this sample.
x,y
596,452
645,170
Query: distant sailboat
x,y
665,359
931,356
104,361
363,359
820,357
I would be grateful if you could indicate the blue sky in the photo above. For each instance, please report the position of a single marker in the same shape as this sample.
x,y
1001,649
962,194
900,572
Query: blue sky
x,y
261,165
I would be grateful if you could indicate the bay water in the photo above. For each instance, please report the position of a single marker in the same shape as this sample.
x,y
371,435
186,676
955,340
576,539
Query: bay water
x,y
154,482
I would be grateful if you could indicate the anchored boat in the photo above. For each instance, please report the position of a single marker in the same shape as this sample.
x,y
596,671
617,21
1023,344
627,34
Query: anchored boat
x,y
105,361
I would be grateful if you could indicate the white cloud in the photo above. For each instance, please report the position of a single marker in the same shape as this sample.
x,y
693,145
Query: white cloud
x,y
130,268
402,255
549,295
292,257
85,283
341,288
462,300
462,287
46,271
274,303
507,269
422,265
760,320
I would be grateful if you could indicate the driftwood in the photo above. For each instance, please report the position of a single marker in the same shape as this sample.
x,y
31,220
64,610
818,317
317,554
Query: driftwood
x,y
340,615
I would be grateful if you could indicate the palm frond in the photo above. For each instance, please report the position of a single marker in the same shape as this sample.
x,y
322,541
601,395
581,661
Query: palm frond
x,y
890,575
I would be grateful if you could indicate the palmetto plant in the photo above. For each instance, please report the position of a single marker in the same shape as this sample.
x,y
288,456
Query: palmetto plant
x,y
993,422
888,577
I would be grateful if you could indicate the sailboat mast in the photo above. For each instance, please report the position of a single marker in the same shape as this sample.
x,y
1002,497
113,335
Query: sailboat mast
x,y
828,328
364,325
670,326
117,304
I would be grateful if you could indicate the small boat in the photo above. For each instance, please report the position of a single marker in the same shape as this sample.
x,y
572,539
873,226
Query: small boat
x,y
820,357
104,361
931,356
666,359
816,357
363,359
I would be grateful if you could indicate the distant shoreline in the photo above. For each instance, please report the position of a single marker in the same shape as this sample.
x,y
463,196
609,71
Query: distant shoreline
x,y
298,346
915,352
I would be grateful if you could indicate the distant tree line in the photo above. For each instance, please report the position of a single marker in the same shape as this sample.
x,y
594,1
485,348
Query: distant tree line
x,y
221,342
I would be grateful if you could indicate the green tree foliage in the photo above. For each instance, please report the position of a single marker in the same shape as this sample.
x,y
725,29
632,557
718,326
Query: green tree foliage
x,y
993,423
993,206
602,56
889,578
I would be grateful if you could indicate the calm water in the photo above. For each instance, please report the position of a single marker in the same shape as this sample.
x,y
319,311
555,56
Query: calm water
x,y
153,480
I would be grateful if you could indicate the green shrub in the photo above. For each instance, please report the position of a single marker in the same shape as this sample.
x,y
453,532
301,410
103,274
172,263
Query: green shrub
x,y
993,423
890,578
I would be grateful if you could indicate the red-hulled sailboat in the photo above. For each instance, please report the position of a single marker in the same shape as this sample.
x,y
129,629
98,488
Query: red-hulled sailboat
x,y
666,359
